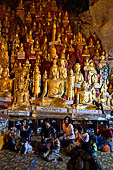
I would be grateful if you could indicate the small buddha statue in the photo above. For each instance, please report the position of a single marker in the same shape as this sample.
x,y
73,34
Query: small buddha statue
x,y
103,61
91,67
33,8
86,52
79,38
104,99
34,26
66,18
97,55
98,45
78,75
62,70
86,64
21,52
49,17
36,82
71,49
53,91
84,97
32,50
28,18
17,41
29,37
70,85
95,81
44,45
53,53
45,76
5,84
90,44
21,97
69,31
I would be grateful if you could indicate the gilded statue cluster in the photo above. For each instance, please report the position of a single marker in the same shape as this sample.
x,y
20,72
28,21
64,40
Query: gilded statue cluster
x,y
43,62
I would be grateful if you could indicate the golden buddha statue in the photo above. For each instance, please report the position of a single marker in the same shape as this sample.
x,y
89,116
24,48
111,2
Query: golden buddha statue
x,y
29,37
103,61
21,97
70,85
53,91
59,17
5,84
28,18
90,44
33,8
78,75
45,76
97,55
53,53
86,52
44,45
62,70
6,22
69,30
36,82
21,52
86,65
98,45
54,32
20,11
66,18
104,99
49,17
91,67
79,38
84,98
17,41
71,49
34,26
95,81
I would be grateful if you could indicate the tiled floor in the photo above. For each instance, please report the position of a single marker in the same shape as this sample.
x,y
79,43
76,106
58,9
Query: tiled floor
x,y
14,161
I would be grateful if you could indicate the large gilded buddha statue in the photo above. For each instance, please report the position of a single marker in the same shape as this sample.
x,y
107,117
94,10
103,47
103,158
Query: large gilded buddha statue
x,y
53,90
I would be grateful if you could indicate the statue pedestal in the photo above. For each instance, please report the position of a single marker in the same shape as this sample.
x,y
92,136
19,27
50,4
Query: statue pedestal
x,y
18,113
51,109
5,102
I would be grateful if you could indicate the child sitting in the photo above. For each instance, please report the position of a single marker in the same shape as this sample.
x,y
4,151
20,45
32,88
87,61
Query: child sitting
x,y
53,154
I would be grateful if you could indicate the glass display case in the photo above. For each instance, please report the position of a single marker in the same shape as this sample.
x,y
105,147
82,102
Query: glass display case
x,y
3,121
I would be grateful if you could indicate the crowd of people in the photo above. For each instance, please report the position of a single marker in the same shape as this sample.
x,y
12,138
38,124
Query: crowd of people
x,y
77,143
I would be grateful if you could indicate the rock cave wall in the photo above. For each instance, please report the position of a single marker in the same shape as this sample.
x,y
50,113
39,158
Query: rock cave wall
x,y
102,23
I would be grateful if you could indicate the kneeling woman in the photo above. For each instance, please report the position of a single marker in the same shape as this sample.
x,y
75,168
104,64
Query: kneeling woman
x,y
68,130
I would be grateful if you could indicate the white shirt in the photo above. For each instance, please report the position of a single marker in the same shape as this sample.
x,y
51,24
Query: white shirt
x,y
69,130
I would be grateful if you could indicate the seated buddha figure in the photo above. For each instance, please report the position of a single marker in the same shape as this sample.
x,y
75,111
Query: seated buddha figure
x,y
78,75
98,45
65,19
97,55
86,53
103,61
71,49
95,81
21,96
84,97
5,84
53,91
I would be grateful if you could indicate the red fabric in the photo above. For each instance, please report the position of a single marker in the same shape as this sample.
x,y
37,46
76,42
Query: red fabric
x,y
106,148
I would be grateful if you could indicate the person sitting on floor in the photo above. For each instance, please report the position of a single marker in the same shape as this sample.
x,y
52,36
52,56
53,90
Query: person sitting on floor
x,y
46,137
53,154
68,130
25,134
